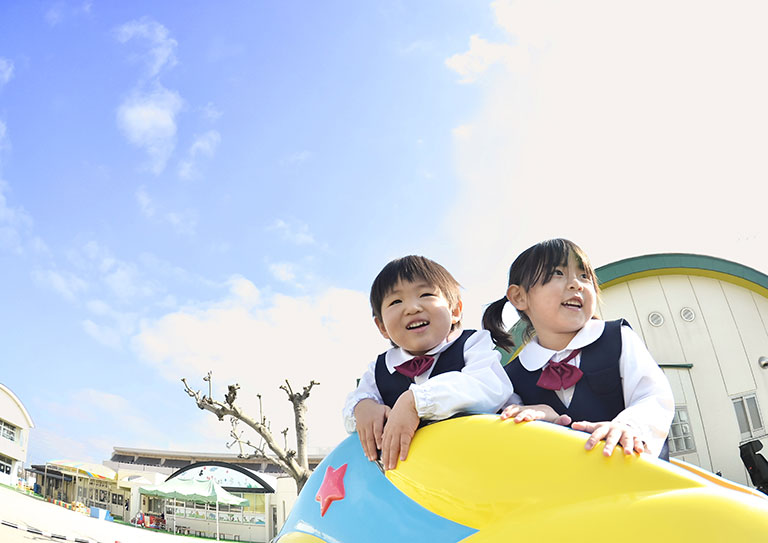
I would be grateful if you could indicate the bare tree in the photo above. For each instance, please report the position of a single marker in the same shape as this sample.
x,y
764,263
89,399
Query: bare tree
x,y
294,463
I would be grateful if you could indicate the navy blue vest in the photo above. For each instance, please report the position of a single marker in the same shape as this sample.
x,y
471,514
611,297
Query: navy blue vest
x,y
392,385
598,395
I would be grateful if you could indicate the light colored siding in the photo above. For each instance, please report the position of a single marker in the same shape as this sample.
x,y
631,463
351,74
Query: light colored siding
x,y
726,342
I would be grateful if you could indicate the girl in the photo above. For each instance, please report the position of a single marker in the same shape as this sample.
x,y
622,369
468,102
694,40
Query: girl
x,y
597,373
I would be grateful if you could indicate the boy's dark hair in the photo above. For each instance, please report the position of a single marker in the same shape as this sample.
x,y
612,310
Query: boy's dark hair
x,y
534,265
412,268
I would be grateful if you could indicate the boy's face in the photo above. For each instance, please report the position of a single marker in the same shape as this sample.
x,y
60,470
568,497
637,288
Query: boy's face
x,y
416,316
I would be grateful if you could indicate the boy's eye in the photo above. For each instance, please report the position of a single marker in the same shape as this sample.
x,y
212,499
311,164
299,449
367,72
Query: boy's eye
x,y
425,294
393,302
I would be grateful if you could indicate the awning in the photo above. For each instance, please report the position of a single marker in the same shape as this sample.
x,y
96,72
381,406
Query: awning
x,y
52,473
86,469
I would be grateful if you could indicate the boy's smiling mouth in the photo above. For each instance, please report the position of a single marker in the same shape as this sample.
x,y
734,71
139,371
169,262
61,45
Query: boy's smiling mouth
x,y
416,324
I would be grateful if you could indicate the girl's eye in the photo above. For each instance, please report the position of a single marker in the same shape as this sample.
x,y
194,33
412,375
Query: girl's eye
x,y
585,276
557,272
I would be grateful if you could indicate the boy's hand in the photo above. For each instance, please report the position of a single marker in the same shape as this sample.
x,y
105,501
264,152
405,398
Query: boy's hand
x,y
369,418
523,413
613,433
398,432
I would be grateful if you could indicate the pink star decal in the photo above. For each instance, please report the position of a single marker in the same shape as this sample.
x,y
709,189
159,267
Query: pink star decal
x,y
332,488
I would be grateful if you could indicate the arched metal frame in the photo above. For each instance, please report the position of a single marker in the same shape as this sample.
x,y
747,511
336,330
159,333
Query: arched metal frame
x,y
266,487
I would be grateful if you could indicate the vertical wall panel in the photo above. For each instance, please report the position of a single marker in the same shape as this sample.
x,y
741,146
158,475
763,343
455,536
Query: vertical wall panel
x,y
660,340
725,337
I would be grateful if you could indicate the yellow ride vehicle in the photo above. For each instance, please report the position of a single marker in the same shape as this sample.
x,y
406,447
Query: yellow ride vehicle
x,y
479,479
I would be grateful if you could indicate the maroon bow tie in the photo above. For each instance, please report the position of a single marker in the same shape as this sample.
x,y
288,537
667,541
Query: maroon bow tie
x,y
557,375
415,366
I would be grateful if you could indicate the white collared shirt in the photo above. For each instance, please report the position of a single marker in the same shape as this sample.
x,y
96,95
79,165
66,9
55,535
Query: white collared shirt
x,y
648,398
481,386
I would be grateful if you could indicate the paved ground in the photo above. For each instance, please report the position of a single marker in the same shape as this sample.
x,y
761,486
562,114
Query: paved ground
x,y
49,520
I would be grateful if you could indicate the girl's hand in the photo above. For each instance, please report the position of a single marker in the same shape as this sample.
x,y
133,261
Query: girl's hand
x,y
398,432
370,417
613,433
522,413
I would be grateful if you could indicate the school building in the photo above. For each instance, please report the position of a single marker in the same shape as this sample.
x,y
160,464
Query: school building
x,y
705,321
15,424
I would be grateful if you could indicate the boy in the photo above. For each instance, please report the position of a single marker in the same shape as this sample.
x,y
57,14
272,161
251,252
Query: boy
x,y
434,368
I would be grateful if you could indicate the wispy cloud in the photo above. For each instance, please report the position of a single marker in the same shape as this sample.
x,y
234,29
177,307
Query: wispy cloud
x,y
5,143
182,222
483,54
67,284
299,157
54,14
162,48
126,281
6,71
14,221
148,121
297,233
204,146
284,271
115,330
146,205
211,113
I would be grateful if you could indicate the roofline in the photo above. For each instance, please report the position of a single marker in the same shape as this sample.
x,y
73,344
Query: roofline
x,y
18,402
199,455
653,265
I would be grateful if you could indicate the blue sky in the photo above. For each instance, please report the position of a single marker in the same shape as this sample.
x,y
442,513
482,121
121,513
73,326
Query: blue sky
x,y
194,186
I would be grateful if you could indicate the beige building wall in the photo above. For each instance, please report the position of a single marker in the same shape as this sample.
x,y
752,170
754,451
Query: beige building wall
x,y
708,335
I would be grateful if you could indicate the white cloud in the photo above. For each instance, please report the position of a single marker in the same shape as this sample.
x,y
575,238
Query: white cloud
x,y
204,146
145,202
162,46
105,335
4,141
6,71
127,283
211,113
298,157
148,121
182,222
261,342
119,327
15,222
124,280
297,233
284,271
483,54
66,284
630,132
54,14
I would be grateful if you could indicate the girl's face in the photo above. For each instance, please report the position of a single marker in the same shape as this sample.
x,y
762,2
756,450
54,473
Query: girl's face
x,y
559,308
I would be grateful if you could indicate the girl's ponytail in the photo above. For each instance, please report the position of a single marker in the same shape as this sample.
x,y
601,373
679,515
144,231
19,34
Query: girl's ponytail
x,y
493,322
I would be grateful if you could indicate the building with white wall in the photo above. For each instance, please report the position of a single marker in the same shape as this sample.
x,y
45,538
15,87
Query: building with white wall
x,y
15,424
705,321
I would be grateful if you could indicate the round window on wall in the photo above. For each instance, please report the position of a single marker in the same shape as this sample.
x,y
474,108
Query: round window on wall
x,y
687,314
656,318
